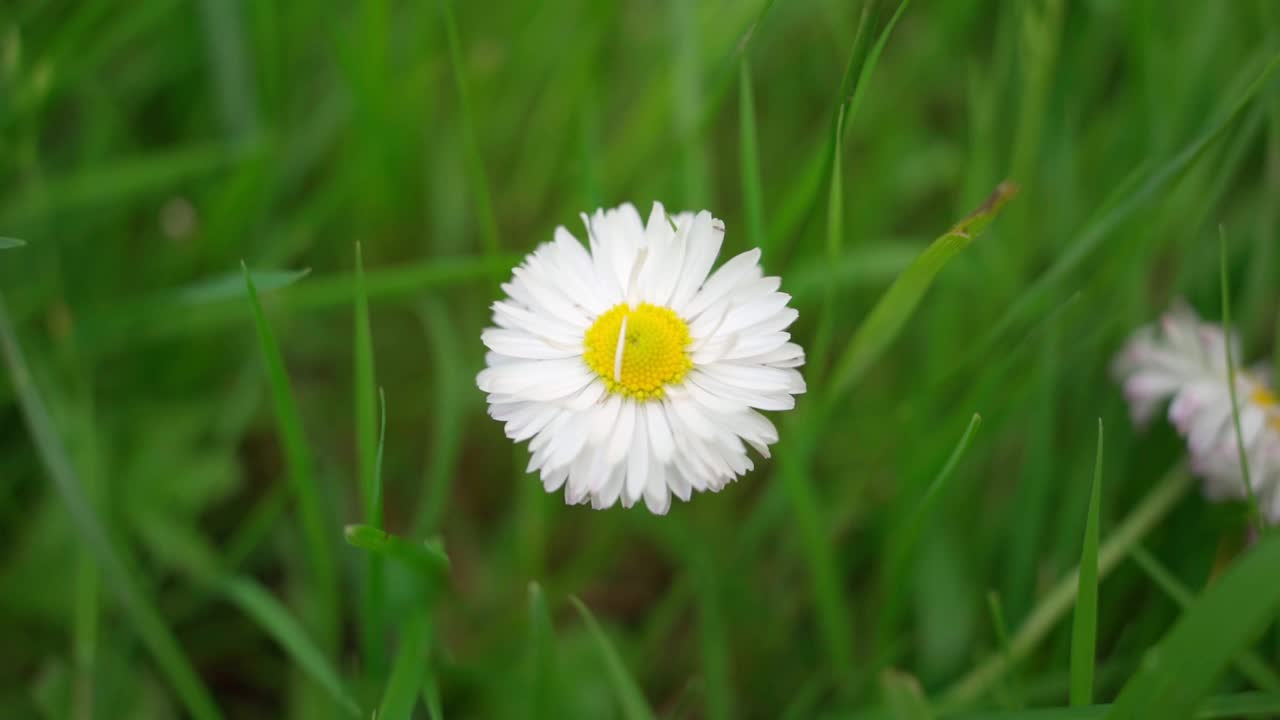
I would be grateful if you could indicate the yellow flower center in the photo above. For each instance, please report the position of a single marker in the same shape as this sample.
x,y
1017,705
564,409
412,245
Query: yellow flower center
x,y
1263,396
652,352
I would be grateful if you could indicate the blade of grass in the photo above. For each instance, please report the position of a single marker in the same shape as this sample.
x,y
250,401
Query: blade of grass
x,y
401,693
630,698
1216,628
426,558
869,64
713,640
749,153
7,243
1084,625
897,304
1140,521
543,672
1254,515
1250,664
265,610
112,561
904,697
368,449
302,479
476,176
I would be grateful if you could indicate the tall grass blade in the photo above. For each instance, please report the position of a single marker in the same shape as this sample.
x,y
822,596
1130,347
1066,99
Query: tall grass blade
x,y
302,480
749,154
1084,625
1216,628
112,561
477,178
1242,455
368,448
630,698
265,610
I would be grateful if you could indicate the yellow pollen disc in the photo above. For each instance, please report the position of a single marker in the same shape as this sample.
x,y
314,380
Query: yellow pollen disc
x,y
1262,396
653,352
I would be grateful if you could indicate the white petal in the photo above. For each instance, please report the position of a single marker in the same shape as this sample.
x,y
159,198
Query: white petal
x,y
659,431
722,282
638,463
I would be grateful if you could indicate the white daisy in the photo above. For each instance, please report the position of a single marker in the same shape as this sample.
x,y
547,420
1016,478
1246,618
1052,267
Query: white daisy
x,y
633,370
1185,360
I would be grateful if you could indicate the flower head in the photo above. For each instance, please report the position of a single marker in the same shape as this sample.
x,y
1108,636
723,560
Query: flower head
x,y
1185,360
634,371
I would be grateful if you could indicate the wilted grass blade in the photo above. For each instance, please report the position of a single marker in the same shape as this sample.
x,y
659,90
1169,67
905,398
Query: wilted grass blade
x,y
897,304
273,617
1215,629
1084,626
904,697
112,561
629,695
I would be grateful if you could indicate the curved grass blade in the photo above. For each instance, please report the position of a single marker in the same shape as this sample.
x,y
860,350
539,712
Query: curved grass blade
x,y
401,692
1149,512
634,706
7,243
1249,663
897,304
302,480
1084,625
427,559
266,611
112,561
1216,628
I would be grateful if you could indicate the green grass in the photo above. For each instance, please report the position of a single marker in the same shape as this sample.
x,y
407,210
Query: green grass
x,y
244,224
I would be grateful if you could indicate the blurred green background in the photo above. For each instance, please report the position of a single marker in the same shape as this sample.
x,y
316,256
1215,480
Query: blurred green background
x,y
148,147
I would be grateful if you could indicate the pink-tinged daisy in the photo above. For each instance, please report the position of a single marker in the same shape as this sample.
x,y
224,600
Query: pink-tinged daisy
x,y
634,371
1184,360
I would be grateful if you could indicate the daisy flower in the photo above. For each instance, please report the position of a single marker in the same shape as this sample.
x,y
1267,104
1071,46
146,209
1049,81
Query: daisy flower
x,y
633,370
1184,360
